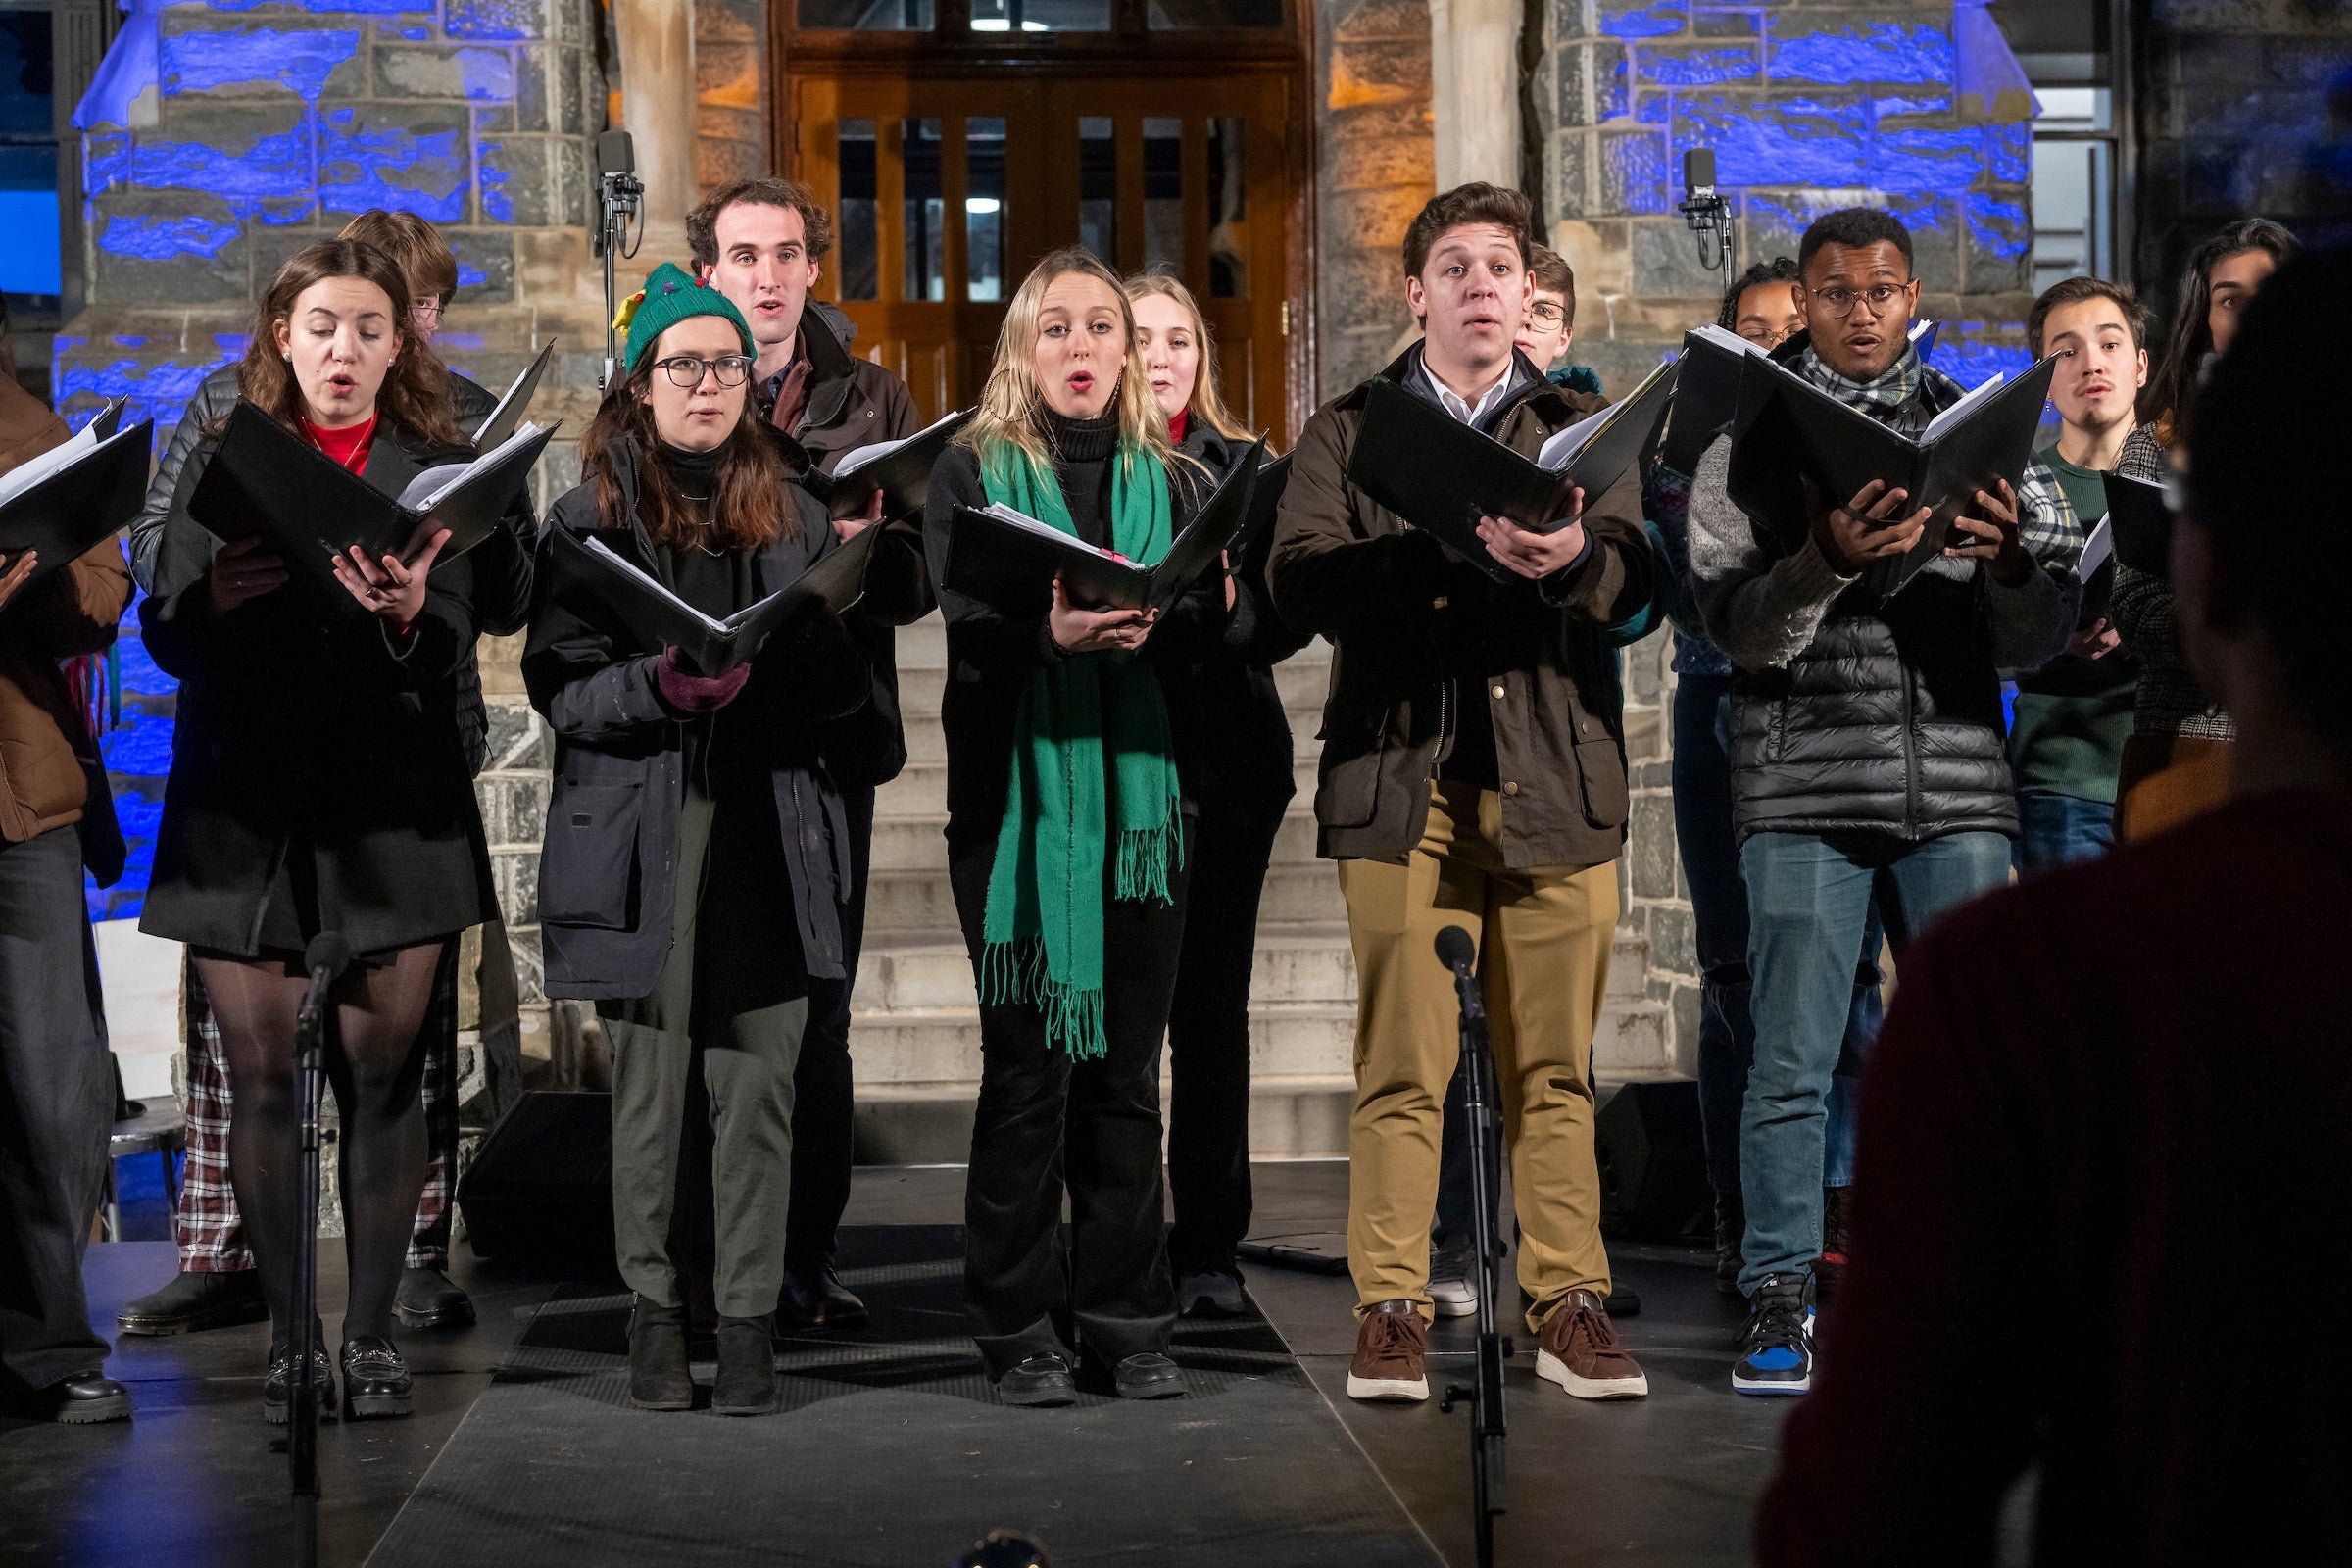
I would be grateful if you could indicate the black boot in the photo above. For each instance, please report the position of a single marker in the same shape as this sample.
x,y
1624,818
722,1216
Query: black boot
x,y
196,1302
659,1379
746,1384
375,1380
1731,1230
430,1300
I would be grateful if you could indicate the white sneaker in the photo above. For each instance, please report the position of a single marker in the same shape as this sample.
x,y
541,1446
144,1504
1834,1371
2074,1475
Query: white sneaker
x,y
1452,1298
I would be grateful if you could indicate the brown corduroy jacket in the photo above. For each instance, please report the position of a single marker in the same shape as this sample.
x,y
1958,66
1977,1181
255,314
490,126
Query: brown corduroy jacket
x,y
1346,567
66,614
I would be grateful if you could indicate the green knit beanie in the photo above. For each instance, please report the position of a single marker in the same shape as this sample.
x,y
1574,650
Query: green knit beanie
x,y
672,295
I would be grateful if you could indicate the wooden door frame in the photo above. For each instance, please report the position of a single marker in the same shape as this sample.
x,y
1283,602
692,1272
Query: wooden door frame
x,y
953,52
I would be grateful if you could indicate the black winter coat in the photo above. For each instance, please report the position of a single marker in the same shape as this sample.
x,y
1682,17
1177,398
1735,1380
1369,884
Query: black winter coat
x,y
501,565
854,403
1233,737
991,656
296,721
608,871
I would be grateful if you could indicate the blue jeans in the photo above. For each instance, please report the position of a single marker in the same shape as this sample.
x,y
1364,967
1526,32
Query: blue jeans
x,y
1727,1037
1810,898
2053,829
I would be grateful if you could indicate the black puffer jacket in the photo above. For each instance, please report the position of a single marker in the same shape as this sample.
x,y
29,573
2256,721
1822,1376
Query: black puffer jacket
x,y
1890,718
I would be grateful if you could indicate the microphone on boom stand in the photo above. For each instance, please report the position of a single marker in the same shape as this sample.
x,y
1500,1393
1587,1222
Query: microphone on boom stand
x,y
1484,1390
1708,213
326,957
620,200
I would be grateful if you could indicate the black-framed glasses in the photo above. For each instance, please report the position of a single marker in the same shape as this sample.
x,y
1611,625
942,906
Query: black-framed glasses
x,y
1841,300
1546,314
686,370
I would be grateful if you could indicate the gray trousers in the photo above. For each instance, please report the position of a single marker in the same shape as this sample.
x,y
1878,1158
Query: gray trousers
x,y
57,1107
719,1004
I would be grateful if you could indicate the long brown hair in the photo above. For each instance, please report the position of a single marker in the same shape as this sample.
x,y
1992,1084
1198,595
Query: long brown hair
x,y
1205,405
414,393
2172,385
747,509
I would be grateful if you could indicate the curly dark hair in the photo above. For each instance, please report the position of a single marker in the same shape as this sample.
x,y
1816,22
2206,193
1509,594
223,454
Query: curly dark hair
x,y
1779,270
1855,228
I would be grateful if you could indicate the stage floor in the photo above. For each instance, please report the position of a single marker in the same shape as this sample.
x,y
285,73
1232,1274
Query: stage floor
x,y
1670,1479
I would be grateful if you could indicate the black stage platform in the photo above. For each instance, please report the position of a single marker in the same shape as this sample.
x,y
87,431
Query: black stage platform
x,y
888,1451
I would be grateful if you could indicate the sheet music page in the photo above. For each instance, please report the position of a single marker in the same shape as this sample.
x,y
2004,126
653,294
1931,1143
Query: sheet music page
x,y
1963,409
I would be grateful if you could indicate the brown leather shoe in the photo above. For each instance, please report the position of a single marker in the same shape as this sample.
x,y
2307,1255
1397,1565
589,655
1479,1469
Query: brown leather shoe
x,y
1391,1353
1579,1350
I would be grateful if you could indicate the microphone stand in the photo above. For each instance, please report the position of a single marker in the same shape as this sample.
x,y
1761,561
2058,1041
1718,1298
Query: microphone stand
x,y
1484,1390
326,959
621,196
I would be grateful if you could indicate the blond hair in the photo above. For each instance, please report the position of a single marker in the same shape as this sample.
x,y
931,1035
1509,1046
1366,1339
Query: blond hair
x,y
1205,405
1011,402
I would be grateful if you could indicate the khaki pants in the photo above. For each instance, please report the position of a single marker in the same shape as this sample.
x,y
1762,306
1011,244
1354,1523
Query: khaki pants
x,y
1543,941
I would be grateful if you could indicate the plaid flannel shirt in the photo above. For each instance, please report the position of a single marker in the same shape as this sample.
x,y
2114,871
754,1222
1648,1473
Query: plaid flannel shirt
x,y
212,1240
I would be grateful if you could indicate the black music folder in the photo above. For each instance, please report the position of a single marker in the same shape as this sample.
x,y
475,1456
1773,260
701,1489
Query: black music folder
x,y
1986,437
502,421
627,599
900,470
2140,518
65,501
1442,476
265,480
1008,560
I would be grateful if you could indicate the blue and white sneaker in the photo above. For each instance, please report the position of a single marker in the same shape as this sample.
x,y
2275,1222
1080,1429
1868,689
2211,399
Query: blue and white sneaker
x,y
1775,1351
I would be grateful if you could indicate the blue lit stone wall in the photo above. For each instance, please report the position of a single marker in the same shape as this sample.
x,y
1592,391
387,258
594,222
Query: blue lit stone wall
x,y
1808,106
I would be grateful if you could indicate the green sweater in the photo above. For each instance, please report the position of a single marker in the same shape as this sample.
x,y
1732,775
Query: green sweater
x,y
2073,715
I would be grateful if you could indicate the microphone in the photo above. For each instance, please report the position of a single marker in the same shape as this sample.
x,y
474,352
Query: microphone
x,y
1455,951
616,154
1708,213
325,959
1699,173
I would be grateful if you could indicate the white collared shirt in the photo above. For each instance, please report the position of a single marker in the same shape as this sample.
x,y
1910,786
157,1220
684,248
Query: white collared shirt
x,y
1471,413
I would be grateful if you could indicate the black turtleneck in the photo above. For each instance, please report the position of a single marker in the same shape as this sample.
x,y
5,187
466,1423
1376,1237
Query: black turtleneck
x,y
717,585
1082,461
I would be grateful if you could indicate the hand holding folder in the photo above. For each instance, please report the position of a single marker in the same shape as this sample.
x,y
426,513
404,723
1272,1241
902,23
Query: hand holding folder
x,y
59,506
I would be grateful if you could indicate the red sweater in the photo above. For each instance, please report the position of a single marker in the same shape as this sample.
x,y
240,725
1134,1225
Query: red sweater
x,y
2103,1220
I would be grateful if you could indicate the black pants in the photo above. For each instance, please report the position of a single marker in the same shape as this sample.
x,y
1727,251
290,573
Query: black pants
x,y
57,1105
1046,1122
1208,1031
825,1111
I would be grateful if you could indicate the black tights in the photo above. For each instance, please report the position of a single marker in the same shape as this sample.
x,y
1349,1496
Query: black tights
x,y
375,1062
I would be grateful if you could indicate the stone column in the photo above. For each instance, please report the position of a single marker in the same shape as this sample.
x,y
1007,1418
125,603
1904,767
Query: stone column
x,y
1473,76
658,109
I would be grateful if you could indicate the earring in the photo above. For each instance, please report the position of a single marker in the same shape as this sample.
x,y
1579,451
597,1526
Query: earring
x,y
286,355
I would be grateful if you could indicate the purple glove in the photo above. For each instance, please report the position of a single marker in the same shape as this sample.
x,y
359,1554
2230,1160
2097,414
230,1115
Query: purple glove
x,y
688,693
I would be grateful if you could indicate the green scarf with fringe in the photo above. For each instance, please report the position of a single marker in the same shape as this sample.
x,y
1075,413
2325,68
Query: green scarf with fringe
x,y
1043,933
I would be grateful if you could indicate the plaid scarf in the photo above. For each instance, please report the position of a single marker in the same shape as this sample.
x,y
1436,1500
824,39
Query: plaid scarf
x,y
2046,522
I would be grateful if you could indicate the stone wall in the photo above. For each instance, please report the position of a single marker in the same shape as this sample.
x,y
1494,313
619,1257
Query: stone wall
x,y
2244,106
730,90
1378,167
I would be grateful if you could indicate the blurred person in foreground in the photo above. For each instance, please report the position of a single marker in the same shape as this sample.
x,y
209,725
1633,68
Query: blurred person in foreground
x,y
2125,1093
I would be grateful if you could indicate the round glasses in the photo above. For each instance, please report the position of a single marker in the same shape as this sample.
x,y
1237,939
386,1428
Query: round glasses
x,y
686,370
1841,300
1546,314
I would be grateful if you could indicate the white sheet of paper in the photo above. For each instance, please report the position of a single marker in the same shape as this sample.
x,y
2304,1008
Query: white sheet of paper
x,y
858,457
1963,409
431,487
80,444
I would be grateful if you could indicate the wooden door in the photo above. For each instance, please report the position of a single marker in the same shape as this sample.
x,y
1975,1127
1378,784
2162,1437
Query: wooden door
x,y
1032,163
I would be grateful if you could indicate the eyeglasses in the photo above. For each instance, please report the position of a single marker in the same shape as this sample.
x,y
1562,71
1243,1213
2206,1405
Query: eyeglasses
x,y
686,370
1841,300
1546,314
427,310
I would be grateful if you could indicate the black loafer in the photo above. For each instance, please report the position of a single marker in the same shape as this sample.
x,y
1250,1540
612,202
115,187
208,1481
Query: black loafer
x,y
193,1303
1042,1381
1149,1375
88,1400
376,1381
429,1300
277,1388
